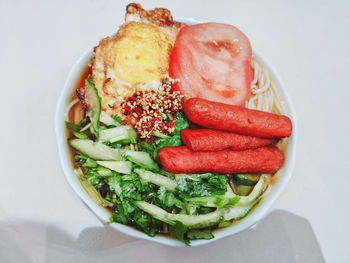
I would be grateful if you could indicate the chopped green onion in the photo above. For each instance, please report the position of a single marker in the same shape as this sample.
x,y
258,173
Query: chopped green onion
x,y
87,126
160,135
80,135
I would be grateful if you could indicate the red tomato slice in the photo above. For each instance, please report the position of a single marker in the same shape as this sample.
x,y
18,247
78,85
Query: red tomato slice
x,y
212,61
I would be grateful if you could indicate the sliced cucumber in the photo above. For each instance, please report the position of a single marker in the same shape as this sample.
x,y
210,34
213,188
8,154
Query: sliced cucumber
x,y
192,177
155,211
191,208
160,135
255,193
95,150
197,221
142,159
238,212
245,179
108,120
104,172
157,179
122,134
94,101
229,198
186,176
123,167
91,190
229,212
191,221
243,190
214,201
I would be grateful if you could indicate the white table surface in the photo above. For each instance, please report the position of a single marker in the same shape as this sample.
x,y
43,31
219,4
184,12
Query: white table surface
x,y
41,218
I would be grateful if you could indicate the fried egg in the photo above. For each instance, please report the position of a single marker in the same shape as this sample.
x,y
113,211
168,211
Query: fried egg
x,y
135,58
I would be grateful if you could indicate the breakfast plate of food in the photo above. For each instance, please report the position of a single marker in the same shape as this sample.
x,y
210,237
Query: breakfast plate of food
x,y
174,130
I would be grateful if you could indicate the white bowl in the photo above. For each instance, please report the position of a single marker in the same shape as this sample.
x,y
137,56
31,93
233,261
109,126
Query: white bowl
x,y
252,218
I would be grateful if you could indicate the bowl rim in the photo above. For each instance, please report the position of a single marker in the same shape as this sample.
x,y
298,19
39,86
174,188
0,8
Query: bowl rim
x,y
103,215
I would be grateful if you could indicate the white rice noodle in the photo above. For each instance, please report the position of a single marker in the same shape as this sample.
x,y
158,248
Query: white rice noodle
x,y
265,96
69,107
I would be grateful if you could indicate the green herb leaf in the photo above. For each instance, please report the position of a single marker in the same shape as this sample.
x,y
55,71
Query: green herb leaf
x,y
90,163
80,157
146,147
224,224
168,198
119,215
218,180
204,210
160,135
92,177
180,122
117,118
172,141
188,188
94,110
80,135
141,220
116,145
199,234
128,207
179,232
128,187
169,118
72,127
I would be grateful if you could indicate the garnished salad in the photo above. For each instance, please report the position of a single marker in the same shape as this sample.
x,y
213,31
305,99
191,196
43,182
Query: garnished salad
x,y
183,145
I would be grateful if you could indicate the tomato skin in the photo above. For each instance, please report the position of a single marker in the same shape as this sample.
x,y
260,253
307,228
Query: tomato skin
x,y
212,61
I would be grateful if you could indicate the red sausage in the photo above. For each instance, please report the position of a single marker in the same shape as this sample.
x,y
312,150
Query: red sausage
x,y
237,119
207,140
180,159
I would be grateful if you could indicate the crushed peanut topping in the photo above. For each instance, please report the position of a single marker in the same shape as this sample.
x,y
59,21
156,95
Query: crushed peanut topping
x,y
153,111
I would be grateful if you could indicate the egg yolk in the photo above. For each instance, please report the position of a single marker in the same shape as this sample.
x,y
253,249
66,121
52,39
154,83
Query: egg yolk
x,y
142,54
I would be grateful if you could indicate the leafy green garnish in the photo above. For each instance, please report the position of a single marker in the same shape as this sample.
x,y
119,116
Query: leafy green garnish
x,y
224,224
217,180
199,234
105,172
117,118
75,127
90,163
129,214
128,207
120,216
72,127
204,210
179,232
169,117
116,145
168,198
210,184
93,177
80,157
221,201
94,110
146,147
80,135
129,186
172,141
180,122
160,135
